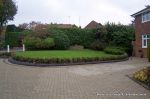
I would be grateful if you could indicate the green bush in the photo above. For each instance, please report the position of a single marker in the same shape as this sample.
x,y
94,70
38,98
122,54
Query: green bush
x,y
5,54
120,35
14,39
77,36
97,45
48,43
32,43
61,40
114,50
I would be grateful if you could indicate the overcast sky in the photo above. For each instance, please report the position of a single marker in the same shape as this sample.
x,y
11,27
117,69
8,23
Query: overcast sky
x,y
79,12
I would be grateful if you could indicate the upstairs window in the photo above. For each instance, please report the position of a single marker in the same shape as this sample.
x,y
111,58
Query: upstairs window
x,y
146,17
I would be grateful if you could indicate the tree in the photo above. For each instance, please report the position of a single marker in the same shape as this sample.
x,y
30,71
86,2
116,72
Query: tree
x,y
8,9
0,2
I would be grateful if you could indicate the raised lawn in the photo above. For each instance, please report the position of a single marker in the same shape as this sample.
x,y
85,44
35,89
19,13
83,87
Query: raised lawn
x,y
63,54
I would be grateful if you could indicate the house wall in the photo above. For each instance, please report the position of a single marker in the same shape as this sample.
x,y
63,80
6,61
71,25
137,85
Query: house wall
x,y
140,28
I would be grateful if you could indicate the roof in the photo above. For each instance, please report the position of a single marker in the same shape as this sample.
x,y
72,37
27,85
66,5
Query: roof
x,y
147,9
93,25
64,25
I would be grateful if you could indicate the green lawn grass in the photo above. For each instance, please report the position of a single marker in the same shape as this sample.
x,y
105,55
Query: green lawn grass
x,y
63,54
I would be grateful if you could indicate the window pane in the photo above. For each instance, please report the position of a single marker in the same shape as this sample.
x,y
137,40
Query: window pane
x,y
148,36
144,36
144,42
146,17
149,16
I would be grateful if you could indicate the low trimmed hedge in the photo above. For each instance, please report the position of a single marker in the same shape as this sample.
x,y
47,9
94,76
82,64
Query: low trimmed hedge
x,y
114,50
67,60
5,54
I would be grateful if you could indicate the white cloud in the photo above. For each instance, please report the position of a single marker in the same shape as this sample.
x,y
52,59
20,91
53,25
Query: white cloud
x,y
58,11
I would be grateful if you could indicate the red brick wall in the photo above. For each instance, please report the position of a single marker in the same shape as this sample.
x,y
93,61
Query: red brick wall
x,y
141,28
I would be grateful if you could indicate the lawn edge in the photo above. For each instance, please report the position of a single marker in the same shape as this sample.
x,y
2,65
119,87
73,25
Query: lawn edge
x,y
11,60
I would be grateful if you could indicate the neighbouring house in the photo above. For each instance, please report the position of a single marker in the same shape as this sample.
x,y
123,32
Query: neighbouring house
x,y
65,26
142,32
93,25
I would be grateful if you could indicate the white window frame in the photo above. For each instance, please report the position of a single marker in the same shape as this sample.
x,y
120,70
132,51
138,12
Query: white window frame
x,y
144,38
145,17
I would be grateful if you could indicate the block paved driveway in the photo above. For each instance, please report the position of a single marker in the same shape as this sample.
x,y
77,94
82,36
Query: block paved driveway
x,y
97,81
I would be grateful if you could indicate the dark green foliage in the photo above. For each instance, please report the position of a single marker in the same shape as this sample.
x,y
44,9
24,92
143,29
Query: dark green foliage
x,y
2,44
77,36
48,43
5,54
14,39
101,34
148,52
120,35
34,43
97,45
61,40
13,28
7,11
114,50
31,43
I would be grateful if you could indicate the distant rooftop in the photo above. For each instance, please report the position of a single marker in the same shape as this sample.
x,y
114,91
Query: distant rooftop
x,y
93,25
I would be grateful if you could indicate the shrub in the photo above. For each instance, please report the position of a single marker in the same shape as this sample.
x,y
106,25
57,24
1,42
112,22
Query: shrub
x,y
114,50
76,47
48,43
120,35
5,54
97,45
77,36
143,75
14,39
61,40
32,43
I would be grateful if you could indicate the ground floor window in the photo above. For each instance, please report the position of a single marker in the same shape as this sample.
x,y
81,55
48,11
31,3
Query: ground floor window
x,y
145,40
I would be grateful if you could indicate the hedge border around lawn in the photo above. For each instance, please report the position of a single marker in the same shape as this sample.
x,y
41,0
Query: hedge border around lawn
x,y
26,63
5,54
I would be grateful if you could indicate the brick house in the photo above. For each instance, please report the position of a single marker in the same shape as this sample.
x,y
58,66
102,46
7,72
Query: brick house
x,y
93,25
142,32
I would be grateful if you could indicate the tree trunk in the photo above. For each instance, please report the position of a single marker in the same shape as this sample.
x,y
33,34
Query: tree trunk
x,y
1,30
2,34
